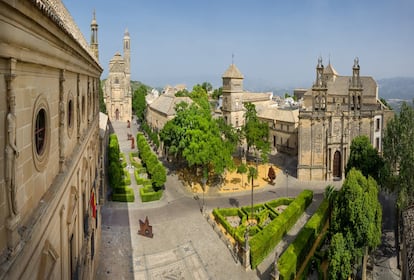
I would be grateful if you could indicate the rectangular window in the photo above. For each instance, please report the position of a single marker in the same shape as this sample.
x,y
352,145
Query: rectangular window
x,y
377,143
274,140
377,124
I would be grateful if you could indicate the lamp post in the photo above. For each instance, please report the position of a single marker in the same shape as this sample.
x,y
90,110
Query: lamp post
x,y
203,182
287,181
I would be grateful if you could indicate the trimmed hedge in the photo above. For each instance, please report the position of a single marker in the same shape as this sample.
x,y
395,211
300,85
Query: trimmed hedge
x,y
123,162
147,194
221,213
278,202
295,254
135,164
125,194
154,167
263,242
257,208
141,181
127,178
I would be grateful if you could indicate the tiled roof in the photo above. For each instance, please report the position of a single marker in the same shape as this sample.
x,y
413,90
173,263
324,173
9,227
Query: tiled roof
x,y
57,12
279,114
340,86
166,103
256,96
329,70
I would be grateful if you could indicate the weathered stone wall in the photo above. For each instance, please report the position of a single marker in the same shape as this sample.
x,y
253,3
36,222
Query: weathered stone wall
x,y
45,190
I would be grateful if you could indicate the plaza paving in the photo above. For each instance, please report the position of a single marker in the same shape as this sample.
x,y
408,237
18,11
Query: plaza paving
x,y
184,245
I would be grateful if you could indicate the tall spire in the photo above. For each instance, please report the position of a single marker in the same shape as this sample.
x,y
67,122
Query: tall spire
x,y
127,58
356,81
94,36
319,72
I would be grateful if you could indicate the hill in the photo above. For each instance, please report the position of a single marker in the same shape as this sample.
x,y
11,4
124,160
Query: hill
x,y
396,88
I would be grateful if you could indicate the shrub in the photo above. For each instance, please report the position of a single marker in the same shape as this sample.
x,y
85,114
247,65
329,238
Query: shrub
x,y
132,155
114,174
147,194
123,161
125,194
264,241
141,181
293,257
127,178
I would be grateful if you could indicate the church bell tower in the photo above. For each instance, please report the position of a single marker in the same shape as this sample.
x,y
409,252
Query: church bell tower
x,y
94,37
127,58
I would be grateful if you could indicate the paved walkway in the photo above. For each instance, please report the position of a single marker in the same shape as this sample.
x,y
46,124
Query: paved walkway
x,y
184,245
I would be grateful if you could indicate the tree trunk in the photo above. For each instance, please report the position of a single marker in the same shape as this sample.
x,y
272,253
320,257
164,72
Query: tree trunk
x,y
364,264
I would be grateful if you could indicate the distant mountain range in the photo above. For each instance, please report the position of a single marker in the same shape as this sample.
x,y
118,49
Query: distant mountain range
x,y
396,88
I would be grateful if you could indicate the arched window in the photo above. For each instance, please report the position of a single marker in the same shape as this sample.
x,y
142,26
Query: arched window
x,y
40,131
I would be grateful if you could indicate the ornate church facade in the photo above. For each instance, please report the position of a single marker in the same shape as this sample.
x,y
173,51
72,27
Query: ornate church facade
x,y
50,159
117,87
335,111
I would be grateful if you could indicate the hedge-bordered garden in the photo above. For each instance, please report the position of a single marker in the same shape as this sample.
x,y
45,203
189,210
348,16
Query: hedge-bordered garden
x,y
119,177
291,260
270,227
152,187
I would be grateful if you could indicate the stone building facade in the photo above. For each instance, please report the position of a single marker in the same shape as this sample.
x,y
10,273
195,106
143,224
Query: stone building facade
x,y
50,163
336,110
282,121
117,87
161,108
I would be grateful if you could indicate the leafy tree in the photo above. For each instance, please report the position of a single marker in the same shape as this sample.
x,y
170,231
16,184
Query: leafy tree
x,y
364,156
138,102
182,93
357,213
256,132
195,136
398,152
340,258
385,103
330,196
217,93
242,169
207,87
199,95
228,132
159,176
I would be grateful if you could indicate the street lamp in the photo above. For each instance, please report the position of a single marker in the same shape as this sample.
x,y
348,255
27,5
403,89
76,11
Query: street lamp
x,y
203,182
287,181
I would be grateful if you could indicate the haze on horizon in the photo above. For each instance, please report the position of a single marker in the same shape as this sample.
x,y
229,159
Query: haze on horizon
x,y
275,43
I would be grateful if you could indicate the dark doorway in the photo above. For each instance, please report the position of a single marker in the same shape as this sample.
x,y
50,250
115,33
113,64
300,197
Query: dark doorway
x,y
117,114
337,168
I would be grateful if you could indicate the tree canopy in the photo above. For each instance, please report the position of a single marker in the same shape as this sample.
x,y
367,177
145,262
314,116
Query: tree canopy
x,y
256,132
398,152
357,215
364,157
138,102
195,136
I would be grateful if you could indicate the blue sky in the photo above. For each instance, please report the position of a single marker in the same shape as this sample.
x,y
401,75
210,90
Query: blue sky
x,y
275,43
